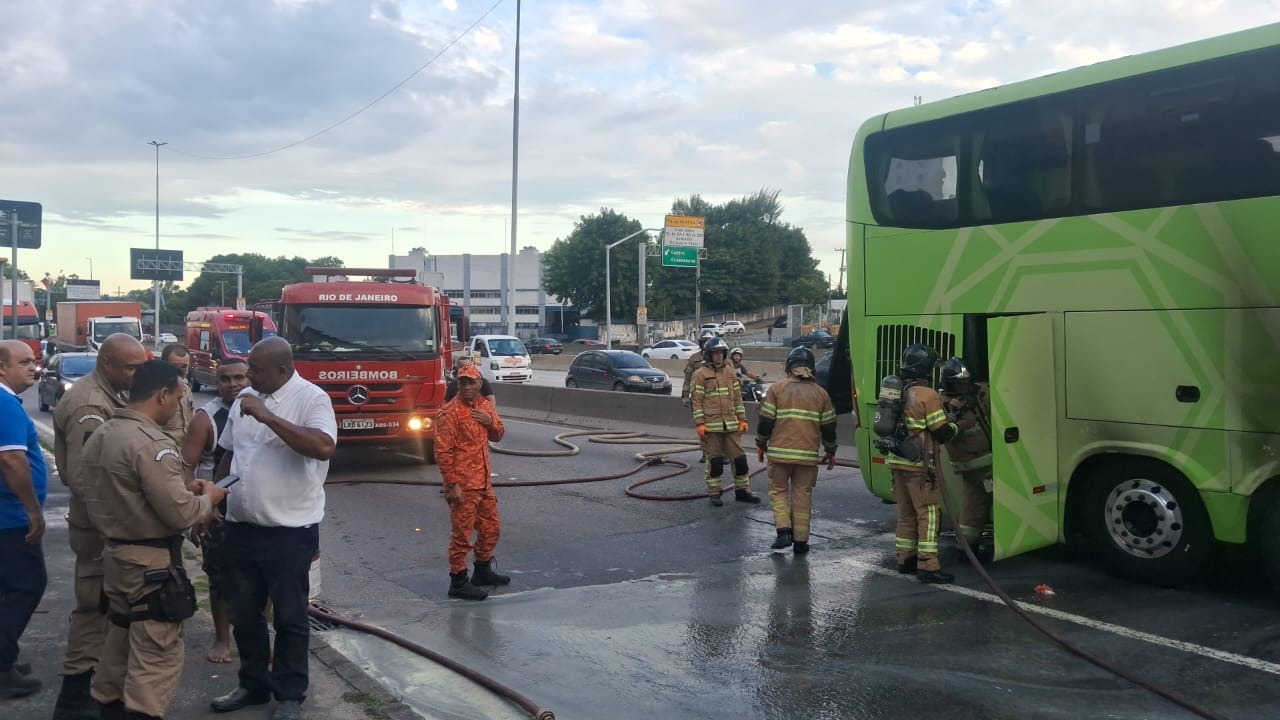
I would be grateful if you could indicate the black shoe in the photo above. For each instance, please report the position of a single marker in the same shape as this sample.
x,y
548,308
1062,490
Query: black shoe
x,y
240,698
908,567
783,541
112,711
716,501
746,496
14,684
22,668
703,459
135,715
74,701
484,574
935,577
800,548
287,710
460,587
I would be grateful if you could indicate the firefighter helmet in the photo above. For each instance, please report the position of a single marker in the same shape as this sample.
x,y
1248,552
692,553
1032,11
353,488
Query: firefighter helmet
x,y
800,357
704,336
954,374
917,361
713,346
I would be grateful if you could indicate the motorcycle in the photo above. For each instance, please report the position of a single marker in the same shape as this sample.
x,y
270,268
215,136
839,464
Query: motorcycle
x,y
753,390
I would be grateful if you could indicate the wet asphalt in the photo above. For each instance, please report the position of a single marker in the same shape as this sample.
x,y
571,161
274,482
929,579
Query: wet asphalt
x,y
625,608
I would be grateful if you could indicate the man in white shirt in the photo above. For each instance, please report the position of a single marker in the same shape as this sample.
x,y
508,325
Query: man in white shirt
x,y
279,437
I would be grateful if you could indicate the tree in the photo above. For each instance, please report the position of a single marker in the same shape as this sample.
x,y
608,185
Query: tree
x,y
263,278
6,272
573,268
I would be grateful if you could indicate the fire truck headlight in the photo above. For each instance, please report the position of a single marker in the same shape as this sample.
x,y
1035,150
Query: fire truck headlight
x,y
415,423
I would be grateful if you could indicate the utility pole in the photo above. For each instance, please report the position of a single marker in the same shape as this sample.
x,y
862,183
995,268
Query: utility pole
x,y
840,279
156,283
515,179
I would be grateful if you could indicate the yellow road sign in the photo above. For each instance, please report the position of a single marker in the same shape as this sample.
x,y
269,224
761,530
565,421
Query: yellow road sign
x,y
686,221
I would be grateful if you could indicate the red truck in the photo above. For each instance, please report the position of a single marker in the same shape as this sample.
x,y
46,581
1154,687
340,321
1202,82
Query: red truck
x,y
29,325
379,347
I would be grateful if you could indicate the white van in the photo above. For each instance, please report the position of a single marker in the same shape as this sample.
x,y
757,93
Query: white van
x,y
501,358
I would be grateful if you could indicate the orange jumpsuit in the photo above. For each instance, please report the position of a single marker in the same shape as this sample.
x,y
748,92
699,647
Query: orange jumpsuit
x,y
462,450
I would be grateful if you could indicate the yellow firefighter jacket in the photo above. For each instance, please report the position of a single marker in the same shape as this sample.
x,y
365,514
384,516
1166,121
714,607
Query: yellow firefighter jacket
x,y
717,398
795,418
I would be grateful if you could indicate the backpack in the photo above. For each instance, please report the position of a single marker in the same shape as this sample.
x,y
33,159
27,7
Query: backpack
x,y
889,423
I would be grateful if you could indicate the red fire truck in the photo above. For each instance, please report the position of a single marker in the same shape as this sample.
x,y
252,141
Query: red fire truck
x,y
379,347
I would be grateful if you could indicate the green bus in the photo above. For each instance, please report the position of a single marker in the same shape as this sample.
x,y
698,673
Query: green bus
x,y
1103,246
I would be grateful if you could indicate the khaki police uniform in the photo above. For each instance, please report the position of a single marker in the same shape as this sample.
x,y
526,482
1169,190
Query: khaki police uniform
x,y
796,418
142,498
177,426
690,367
717,403
970,453
915,488
87,406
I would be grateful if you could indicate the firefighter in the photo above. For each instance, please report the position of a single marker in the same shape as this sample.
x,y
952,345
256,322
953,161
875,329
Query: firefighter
x,y
720,419
142,506
466,426
969,405
796,418
692,364
83,409
915,482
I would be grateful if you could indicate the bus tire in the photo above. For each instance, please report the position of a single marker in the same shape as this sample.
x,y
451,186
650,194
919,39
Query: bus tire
x,y
1268,538
1147,522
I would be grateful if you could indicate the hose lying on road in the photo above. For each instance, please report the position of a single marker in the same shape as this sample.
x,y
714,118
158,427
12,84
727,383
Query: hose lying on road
x,y
1069,646
534,710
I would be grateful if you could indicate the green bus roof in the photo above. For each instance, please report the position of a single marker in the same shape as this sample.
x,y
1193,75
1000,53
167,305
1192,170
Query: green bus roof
x,y
1129,66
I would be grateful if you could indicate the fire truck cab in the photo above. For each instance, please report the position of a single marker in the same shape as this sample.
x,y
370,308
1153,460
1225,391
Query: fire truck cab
x,y
378,346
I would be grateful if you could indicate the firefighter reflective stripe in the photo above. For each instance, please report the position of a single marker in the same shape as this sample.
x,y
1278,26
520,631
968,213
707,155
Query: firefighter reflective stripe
x,y
932,420
908,544
790,455
798,414
929,543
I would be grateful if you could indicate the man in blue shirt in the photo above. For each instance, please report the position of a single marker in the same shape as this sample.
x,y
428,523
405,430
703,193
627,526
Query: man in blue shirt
x,y
22,493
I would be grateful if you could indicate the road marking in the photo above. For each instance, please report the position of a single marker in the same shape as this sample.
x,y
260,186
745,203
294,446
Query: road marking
x,y
1122,631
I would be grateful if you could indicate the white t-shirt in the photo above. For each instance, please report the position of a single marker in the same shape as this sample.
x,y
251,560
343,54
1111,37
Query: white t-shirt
x,y
278,487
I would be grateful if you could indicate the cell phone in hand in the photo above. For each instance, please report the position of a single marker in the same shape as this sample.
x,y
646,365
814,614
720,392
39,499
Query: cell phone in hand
x,y
228,481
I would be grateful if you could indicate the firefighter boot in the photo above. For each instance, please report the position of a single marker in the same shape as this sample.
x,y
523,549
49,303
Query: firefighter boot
x,y
784,539
14,684
113,711
908,567
484,574
801,547
74,701
460,587
715,499
746,496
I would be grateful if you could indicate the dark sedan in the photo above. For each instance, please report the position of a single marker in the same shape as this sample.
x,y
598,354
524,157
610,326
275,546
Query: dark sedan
x,y
60,372
543,346
619,370
817,338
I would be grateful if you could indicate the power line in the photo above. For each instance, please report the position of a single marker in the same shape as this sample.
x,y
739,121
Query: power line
x,y
373,102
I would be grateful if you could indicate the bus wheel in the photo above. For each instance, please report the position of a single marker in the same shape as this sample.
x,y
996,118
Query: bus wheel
x,y
1268,536
1148,522
428,449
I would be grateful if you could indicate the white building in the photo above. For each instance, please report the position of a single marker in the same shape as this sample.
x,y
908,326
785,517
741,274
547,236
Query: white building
x,y
479,284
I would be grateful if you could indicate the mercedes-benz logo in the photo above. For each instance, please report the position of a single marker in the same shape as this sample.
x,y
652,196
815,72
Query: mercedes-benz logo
x,y
358,394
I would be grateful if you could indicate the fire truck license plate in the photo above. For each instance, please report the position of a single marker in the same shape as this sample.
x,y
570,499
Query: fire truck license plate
x,y
357,424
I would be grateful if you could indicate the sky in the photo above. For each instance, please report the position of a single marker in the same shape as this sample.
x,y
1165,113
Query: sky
x,y
626,104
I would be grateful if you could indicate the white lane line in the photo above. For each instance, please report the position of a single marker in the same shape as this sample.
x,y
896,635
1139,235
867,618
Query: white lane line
x,y
1127,632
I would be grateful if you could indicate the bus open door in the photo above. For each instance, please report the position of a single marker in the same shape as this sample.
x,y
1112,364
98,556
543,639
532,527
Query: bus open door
x,y
1024,442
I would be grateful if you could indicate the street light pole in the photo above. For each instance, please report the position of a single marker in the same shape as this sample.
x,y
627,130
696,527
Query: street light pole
x,y
222,293
156,283
90,267
608,284
515,178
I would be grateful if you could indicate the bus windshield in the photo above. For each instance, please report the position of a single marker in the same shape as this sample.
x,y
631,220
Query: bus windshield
x,y
354,330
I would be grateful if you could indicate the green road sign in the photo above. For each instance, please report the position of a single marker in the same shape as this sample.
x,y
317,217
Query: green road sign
x,y
679,256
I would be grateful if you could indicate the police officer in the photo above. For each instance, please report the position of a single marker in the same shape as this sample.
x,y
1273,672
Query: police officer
x,y
177,355
968,403
796,418
83,409
915,484
142,506
720,419
692,364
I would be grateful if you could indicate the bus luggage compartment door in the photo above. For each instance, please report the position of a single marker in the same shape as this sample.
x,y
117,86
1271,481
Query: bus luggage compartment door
x,y
1024,433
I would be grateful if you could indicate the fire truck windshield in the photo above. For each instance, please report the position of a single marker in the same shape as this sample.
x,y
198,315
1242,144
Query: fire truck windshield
x,y
236,342
366,330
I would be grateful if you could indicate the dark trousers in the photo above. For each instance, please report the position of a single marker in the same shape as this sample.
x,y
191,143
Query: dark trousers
x,y
270,563
22,583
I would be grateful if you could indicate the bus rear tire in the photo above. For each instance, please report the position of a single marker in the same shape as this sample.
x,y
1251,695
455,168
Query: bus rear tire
x,y
1147,522
1268,534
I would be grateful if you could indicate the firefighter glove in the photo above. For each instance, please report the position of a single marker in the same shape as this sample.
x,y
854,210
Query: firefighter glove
x,y
742,426
702,430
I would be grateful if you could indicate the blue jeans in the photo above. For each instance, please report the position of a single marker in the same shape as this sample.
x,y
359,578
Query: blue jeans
x,y
22,583
270,563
